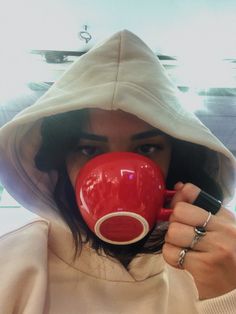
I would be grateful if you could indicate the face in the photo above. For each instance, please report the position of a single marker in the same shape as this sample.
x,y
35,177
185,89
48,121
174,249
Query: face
x,y
115,131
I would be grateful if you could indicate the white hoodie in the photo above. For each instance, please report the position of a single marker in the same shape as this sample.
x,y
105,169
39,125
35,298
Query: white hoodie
x,y
38,274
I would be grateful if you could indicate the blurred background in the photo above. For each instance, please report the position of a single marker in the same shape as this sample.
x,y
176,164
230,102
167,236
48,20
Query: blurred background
x,y
195,41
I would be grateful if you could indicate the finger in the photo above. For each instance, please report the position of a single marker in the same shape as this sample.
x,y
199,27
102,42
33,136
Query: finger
x,y
192,259
181,235
189,192
226,214
191,215
195,216
185,193
178,186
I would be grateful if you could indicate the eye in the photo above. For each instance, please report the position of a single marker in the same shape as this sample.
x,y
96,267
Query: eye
x,y
148,149
89,151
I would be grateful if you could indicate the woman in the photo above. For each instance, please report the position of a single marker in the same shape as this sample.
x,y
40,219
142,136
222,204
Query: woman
x,y
117,97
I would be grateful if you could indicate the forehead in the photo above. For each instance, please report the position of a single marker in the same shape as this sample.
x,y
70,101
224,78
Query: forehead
x,y
109,122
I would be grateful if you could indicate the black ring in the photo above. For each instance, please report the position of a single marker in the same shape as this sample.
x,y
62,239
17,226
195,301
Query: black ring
x,y
207,202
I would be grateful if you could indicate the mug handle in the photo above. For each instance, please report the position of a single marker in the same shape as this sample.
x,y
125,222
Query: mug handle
x,y
164,213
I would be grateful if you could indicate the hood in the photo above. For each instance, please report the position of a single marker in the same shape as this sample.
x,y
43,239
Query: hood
x,y
121,73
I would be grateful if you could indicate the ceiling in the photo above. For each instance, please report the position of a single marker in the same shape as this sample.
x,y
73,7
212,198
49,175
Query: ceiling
x,y
174,27
200,35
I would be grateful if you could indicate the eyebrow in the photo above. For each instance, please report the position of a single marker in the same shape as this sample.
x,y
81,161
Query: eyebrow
x,y
147,134
138,136
93,137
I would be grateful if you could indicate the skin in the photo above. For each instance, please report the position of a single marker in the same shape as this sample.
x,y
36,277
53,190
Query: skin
x,y
212,261
119,131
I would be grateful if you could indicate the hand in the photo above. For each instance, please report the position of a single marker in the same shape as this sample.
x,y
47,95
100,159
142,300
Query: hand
x,y
212,260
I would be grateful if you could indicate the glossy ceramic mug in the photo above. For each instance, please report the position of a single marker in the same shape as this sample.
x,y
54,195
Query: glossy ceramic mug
x,y
121,195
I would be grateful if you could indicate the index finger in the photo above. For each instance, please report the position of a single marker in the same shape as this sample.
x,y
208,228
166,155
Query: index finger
x,y
194,195
192,215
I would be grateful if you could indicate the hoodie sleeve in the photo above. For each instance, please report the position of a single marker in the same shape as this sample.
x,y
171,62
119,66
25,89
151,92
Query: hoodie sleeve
x,y
225,304
23,269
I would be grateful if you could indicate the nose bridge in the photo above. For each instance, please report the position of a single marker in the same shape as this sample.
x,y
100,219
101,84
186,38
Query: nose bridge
x,y
118,145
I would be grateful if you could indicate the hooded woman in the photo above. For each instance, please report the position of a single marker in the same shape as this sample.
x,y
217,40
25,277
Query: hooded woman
x,y
116,98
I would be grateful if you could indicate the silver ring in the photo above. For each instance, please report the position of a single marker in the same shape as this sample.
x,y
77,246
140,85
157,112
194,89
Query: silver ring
x,y
207,220
200,232
195,240
181,257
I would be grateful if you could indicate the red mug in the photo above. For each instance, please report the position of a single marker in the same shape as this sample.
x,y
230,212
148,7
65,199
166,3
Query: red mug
x,y
121,196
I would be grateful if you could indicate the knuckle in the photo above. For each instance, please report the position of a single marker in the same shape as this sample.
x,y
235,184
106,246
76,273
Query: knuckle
x,y
226,215
190,192
224,253
172,230
188,187
230,216
219,258
165,251
187,194
229,230
178,211
227,255
207,263
168,254
210,261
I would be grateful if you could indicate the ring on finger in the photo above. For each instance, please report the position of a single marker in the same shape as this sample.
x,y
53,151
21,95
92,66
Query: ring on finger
x,y
207,202
207,220
200,232
182,257
195,240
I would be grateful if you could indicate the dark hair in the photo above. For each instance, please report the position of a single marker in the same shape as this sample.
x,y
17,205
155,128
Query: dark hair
x,y
60,135
188,164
